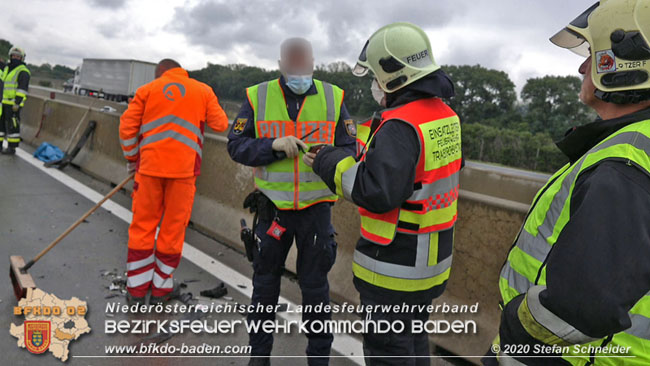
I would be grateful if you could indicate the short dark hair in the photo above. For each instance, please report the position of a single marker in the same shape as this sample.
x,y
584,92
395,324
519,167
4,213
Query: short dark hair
x,y
166,64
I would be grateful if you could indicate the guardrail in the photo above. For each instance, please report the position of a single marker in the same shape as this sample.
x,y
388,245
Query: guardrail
x,y
492,205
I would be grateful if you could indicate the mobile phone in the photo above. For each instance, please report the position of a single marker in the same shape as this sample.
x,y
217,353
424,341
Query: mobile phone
x,y
316,148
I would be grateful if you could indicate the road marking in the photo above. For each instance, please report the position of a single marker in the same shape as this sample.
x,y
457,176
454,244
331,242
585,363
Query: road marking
x,y
343,343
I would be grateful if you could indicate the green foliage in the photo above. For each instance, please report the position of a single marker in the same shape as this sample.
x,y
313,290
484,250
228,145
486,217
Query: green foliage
x,y
482,95
5,46
553,104
511,147
48,71
45,83
231,81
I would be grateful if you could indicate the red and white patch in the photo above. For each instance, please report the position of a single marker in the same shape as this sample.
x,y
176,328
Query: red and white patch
x,y
605,61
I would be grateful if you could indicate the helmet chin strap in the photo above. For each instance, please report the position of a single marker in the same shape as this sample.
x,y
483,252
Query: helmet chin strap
x,y
623,97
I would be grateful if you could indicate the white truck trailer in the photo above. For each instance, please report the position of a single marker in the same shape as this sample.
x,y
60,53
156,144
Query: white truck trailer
x,y
112,79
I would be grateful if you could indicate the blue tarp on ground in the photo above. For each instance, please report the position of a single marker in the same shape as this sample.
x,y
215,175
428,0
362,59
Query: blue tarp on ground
x,y
48,152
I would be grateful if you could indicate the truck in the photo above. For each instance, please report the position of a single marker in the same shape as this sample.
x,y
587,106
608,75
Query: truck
x,y
112,79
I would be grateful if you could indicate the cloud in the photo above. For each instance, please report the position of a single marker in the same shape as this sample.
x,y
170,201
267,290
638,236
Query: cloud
x,y
223,26
338,29
109,4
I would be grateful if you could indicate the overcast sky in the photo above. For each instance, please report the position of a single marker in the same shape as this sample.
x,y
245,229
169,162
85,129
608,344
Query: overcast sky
x,y
509,35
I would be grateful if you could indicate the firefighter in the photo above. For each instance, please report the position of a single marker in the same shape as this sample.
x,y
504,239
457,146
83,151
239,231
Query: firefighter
x,y
280,120
576,282
161,134
405,183
15,77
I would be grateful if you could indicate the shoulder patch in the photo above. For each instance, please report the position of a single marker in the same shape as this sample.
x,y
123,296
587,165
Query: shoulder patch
x,y
350,127
238,126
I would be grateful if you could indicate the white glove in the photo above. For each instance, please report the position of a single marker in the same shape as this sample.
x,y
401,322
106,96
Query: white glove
x,y
130,167
15,107
289,145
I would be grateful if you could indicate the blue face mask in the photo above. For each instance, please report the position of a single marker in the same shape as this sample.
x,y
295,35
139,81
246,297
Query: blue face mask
x,y
299,84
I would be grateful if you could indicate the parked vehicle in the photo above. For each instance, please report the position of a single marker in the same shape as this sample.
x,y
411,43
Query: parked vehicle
x,y
112,79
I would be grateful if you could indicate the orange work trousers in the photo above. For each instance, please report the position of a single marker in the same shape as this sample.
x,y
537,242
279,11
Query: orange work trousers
x,y
151,261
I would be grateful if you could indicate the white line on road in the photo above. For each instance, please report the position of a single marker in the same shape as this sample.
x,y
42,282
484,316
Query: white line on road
x,y
343,343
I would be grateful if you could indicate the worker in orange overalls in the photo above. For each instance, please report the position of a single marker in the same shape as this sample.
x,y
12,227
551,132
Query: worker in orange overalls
x,y
161,134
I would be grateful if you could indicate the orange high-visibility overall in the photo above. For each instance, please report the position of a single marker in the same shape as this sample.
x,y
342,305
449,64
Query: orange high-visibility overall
x,y
162,131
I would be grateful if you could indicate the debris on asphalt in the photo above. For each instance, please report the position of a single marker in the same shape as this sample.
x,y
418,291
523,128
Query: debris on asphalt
x,y
185,297
108,273
117,284
216,292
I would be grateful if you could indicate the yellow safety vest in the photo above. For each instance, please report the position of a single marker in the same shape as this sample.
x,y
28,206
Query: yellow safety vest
x,y
525,269
290,183
10,79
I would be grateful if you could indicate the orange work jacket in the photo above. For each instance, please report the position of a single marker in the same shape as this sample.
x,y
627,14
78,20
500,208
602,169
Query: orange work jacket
x,y
162,130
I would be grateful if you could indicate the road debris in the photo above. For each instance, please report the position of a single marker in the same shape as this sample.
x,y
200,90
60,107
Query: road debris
x,y
216,292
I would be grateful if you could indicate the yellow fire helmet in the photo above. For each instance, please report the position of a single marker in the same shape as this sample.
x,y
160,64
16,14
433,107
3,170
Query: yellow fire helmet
x,y
615,33
397,54
16,51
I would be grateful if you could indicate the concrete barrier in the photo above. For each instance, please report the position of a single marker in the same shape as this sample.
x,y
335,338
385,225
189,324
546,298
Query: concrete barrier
x,y
492,207
60,95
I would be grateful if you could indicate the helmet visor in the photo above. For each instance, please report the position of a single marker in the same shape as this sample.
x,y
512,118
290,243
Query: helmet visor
x,y
566,38
572,40
360,69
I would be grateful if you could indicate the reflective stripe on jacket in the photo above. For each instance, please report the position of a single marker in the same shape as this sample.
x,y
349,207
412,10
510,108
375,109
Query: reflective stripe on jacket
x,y
289,183
525,269
164,125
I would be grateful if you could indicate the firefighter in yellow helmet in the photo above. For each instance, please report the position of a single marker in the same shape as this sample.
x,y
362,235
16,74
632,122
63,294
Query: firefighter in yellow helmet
x,y
15,77
405,182
576,282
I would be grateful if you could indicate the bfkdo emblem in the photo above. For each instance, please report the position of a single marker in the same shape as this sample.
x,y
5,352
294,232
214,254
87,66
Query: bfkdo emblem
x,y
37,335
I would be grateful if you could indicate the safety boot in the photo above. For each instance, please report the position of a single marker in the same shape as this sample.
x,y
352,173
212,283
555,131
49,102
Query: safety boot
x,y
131,300
175,292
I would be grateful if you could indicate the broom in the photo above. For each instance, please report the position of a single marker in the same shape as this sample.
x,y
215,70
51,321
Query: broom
x,y
20,279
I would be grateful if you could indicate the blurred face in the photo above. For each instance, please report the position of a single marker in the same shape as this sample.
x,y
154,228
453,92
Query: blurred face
x,y
297,61
588,88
